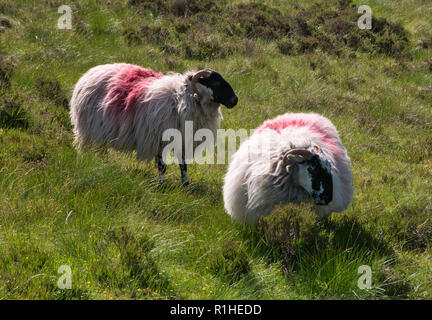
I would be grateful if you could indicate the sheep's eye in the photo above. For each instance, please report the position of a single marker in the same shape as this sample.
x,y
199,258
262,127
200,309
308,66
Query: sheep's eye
x,y
313,171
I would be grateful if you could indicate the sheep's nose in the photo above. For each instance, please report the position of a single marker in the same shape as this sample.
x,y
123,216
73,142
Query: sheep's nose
x,y
233,101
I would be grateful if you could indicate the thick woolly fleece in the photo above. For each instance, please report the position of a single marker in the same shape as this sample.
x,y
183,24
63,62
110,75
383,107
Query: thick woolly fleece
x,y
128,108
251,187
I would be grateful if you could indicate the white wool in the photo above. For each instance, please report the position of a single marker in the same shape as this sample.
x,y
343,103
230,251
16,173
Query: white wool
x,y
166,104
255,182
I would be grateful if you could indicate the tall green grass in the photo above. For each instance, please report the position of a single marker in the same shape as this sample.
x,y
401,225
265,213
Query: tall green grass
x,y
126,237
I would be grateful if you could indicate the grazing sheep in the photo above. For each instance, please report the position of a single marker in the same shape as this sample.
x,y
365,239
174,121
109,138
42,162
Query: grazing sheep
x,y
295,157
128,108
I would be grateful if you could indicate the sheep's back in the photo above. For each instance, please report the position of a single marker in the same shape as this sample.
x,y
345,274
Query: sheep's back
x,y
104,104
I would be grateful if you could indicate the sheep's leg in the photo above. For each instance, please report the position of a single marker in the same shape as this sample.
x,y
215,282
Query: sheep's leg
x,y
183,171
161,168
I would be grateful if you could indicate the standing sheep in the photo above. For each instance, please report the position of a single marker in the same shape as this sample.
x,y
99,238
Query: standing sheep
x,y
295,157
128,108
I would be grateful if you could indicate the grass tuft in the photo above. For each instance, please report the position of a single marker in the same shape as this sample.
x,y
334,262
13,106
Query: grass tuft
x,y
52,90
126,237
13,114
230,262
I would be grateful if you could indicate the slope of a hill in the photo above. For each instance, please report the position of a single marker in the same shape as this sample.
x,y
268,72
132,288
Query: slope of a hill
x,y
126,237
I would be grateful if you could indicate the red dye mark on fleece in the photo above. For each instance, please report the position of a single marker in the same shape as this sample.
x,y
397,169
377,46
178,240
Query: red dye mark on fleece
x,y
127,86
314,122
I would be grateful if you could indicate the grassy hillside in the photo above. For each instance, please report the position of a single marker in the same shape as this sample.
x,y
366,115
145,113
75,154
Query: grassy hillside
x,y
126,237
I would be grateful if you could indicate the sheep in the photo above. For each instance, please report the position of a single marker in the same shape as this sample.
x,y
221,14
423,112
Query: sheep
x,y
303,161
128,107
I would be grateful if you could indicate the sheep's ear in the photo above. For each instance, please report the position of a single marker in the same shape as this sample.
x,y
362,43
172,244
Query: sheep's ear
x,y
295,159
205,93
200,89
282,165
289,168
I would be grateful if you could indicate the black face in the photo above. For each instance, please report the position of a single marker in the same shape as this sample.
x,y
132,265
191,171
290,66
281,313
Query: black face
x,y
322,182
222,91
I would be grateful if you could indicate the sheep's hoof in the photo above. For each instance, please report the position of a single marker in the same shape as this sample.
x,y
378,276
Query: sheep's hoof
x,y
190,188
322,220
185,183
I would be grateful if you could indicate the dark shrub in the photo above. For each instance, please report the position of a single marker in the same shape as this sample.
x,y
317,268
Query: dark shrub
x,y
13,115
154,6
5,23
258,20
176,7
286,46
155,34
52,90
206,47
322,26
